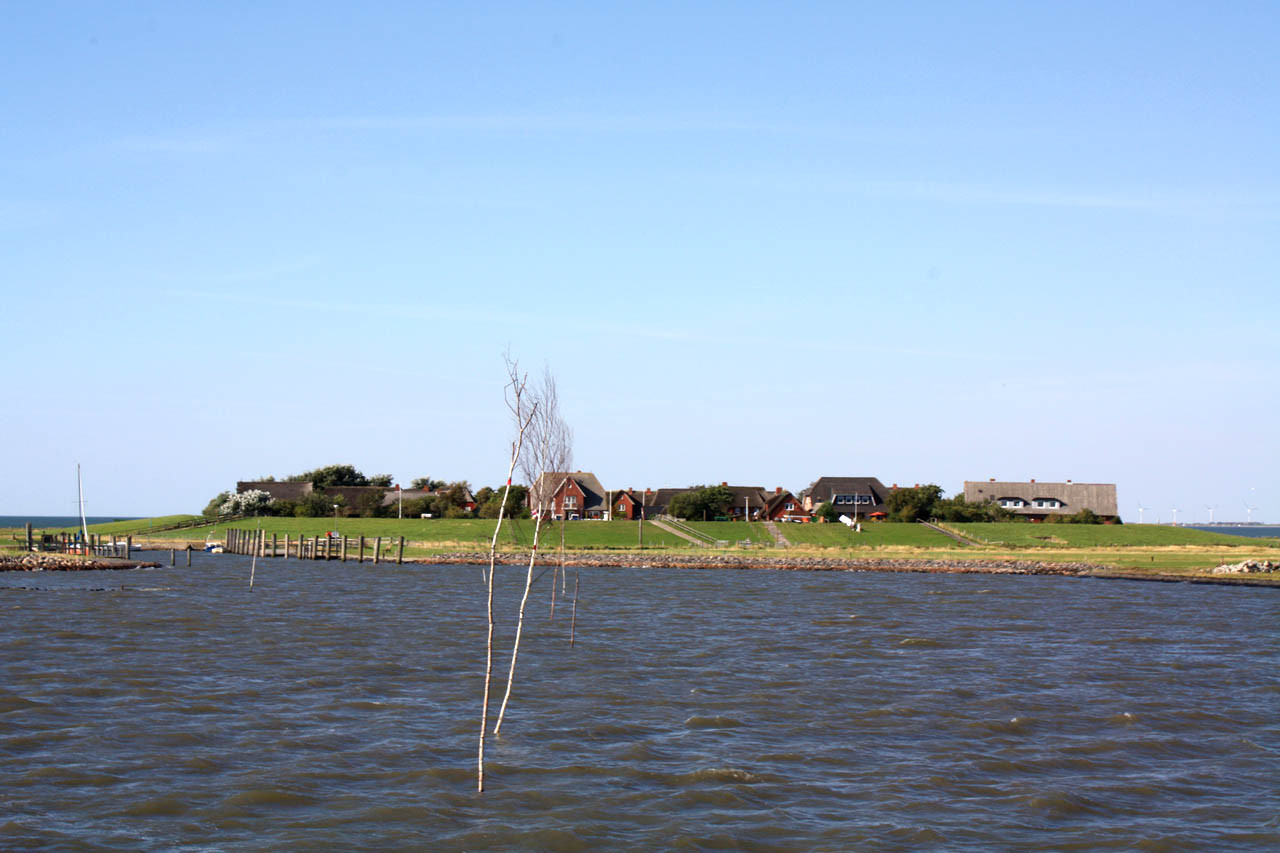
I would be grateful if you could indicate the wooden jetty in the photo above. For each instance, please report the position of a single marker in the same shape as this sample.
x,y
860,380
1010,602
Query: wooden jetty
x,y
342,548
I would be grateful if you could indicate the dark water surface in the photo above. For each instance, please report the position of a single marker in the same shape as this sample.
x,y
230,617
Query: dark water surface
x,y
336,707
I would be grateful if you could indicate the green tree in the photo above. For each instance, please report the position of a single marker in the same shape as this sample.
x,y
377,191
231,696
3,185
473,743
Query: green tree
x,y
914,504
214,507
319,505
333,475
827,512
426,483
701,502
957,509
369,505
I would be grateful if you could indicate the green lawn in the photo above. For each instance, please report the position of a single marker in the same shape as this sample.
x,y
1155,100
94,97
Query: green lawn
x,y
1144,548
465,533
1025,535
875,534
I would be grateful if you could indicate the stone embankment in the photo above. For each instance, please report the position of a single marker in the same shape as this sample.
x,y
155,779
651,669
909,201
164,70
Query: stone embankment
x,y
67,563
1247,567
735,561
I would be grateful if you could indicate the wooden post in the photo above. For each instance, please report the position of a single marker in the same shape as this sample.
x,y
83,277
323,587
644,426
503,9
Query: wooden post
x,y
188,556
344,549
227,547
377,546
274,546
128,547
28,529
400,552
173,557
361,548
315,547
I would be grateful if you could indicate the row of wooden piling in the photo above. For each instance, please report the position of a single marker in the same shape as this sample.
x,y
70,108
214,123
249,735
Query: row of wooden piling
x,y
97,545
256,542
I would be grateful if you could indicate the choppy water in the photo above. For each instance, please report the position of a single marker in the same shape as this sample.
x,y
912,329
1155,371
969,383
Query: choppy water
x,y
336,707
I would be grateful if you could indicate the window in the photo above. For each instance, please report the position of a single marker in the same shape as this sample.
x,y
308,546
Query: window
x,y
1047,503
622,506
790,507
865,499
843,499
1012,503
570,500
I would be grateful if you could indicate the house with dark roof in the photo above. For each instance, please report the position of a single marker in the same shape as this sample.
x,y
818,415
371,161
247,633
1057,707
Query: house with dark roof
x,y
1038,501
569,495
849,495
783,506
626,504
746,503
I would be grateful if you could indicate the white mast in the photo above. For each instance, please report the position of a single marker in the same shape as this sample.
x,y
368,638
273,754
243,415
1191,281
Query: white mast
x,y
84,526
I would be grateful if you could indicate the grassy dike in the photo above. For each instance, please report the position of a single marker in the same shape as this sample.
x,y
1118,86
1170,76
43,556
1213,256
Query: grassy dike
x,y
1122,549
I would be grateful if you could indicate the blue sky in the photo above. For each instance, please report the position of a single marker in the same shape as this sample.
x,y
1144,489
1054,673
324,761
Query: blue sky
x,y
754,242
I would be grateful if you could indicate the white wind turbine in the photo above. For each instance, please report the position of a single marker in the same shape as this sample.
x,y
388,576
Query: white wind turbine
x,y
1211,509
1249,509
1175,516
1141,510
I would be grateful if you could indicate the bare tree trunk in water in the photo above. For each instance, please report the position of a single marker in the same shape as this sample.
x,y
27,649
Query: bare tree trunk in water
x,y
522,414
549,454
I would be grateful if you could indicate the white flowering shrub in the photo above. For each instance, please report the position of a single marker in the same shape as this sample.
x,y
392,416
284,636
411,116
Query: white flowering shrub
x,y
254,500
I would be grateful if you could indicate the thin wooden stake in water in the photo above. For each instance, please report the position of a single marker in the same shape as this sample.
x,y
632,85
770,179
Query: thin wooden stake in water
x,y
253,566
573,620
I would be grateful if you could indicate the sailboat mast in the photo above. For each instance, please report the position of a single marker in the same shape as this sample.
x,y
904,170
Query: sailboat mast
x,y
84,526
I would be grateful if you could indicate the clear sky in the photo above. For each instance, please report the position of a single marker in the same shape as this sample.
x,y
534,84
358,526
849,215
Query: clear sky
x,y
759,243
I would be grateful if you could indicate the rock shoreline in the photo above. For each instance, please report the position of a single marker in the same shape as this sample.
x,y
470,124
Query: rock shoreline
x,y
69,563
735,561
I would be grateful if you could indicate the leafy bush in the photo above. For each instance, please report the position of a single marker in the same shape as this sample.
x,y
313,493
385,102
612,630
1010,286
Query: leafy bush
x,y
701,503
827,512
251,502
214,507
914,504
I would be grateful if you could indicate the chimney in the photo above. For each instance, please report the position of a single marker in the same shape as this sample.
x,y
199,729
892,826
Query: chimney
x,y
778,490
992,480
725,483
895,485
1033,479
1068,482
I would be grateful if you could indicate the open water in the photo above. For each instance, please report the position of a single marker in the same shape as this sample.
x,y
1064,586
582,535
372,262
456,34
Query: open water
x,y
336,707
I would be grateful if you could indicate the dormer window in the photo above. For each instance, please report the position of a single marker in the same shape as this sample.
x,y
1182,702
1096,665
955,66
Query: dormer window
x,y
1047,503
1012,503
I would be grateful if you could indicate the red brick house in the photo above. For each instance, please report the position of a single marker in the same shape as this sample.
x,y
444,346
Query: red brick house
x,y
568,495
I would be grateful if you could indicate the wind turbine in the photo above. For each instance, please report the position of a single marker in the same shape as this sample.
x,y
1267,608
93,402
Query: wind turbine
x,y
1141,510
1211,509
1175,516
1249,509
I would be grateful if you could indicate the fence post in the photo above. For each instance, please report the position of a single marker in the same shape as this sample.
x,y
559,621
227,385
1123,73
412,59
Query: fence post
x,y
377,547
274,546
28,526
128,547
361,548
400,552
315,547
344,549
